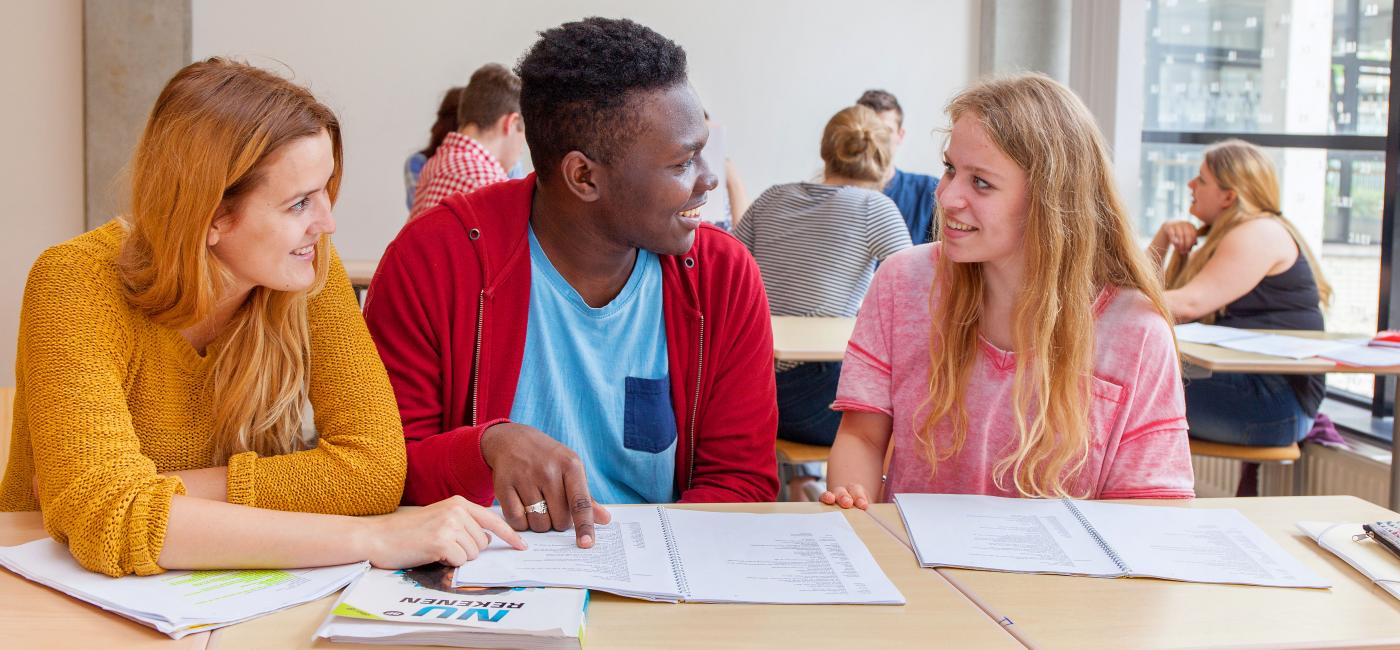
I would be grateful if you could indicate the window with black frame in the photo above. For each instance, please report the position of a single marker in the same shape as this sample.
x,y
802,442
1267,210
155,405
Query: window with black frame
x,y
1309,82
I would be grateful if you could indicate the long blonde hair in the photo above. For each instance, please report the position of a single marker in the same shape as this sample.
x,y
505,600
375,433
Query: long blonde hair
x,y
856,145
1241,167
207,137
1077,242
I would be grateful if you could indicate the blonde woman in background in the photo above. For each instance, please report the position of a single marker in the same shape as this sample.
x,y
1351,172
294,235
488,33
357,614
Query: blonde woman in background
x,y
1247,266
1029,353
817,245
166,358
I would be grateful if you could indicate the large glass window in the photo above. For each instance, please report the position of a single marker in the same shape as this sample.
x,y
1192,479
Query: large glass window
x,y
1308,80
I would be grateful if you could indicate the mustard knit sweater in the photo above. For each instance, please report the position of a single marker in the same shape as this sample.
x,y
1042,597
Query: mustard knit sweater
x,y
107,400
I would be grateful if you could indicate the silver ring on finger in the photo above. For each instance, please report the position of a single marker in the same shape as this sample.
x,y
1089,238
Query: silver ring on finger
x,y
538,507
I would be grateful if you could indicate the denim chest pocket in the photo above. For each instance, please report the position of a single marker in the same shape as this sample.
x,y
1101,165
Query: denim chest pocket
x,y
648,422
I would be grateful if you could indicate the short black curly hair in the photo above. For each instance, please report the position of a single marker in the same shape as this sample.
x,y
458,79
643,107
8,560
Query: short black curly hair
x,y
578,81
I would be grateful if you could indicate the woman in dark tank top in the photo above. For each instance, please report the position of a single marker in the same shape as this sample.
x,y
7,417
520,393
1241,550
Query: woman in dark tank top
x,y
1252,269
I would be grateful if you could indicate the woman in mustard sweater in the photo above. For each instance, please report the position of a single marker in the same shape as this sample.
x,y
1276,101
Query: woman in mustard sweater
x,y
166,360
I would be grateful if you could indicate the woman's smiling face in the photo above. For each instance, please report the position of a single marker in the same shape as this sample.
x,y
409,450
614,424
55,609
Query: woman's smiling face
x,y
983,198
268,238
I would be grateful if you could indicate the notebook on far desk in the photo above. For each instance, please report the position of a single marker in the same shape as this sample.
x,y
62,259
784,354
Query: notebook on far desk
x,y
1092,538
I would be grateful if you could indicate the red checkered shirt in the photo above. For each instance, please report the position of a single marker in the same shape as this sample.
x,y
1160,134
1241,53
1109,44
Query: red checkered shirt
x,y
462,165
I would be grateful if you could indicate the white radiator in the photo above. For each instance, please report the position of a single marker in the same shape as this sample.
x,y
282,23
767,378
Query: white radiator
x,y
1363,472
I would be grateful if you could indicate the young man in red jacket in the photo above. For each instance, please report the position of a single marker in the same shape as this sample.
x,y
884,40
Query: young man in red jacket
x,y
579,334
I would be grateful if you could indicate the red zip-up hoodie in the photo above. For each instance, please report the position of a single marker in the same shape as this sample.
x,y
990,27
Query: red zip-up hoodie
x,y
448,307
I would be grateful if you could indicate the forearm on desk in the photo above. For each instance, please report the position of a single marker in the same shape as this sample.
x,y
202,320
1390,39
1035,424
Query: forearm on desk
x,y
208,534
858,455
209,483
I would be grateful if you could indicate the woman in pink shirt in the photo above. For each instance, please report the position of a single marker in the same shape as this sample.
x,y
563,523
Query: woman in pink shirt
x,y
1029,353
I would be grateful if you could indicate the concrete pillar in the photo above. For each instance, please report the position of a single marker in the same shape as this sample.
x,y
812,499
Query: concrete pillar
x,y
1107,58
1093,46
130,49
1026,36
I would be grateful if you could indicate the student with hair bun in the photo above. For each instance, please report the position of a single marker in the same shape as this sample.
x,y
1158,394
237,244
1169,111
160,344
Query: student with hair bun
x,y
816,245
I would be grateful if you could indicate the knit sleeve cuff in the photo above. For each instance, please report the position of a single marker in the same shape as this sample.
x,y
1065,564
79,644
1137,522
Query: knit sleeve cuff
x,y
149,514
242,475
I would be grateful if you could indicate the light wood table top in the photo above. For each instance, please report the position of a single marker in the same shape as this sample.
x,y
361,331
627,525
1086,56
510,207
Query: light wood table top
x,y
1220,359
798,338
1052,611
35,616
360,271
935,613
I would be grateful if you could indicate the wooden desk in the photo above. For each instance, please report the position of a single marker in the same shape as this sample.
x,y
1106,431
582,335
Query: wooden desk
x,y
797,338
35,616
1080,612
1217,359
936,613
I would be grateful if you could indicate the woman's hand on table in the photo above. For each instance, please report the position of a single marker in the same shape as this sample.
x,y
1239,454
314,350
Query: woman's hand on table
x,y
846,496
452,531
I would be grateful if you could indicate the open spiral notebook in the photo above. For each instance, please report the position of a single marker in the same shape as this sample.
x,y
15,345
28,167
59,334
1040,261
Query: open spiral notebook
x,y
1093,538
671,554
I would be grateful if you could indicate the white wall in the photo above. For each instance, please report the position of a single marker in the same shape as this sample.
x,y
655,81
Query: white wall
x,y
41,161
771,72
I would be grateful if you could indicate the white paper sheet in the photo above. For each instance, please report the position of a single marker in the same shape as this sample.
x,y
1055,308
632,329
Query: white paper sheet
x,y
977,532
1196,545
1291,347
178,602
1046,536
1202,333
776,558
1365,355
628,558
708,557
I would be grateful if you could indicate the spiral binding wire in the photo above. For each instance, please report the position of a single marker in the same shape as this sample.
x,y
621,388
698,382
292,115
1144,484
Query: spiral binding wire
x,y
677,566
1108,550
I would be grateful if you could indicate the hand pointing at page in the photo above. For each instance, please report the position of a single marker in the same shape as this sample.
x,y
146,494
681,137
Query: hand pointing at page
x,y
540,483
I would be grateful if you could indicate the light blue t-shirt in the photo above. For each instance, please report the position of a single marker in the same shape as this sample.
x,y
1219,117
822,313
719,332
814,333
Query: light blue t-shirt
x,y
597,380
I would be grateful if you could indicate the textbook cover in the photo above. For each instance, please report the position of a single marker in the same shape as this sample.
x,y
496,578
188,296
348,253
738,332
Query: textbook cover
x,y
419,606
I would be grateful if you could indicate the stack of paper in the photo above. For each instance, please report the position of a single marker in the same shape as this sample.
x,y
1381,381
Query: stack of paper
x,y
178,602
419,607
1353,352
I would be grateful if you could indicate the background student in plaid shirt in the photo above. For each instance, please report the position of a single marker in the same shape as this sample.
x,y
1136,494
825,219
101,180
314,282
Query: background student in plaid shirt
x,y
490,139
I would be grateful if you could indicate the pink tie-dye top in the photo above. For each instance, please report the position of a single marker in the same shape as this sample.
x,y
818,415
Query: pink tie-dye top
x,y
1138,412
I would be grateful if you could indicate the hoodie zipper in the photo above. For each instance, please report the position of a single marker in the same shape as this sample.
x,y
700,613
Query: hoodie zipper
x,y
695,406
476,355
